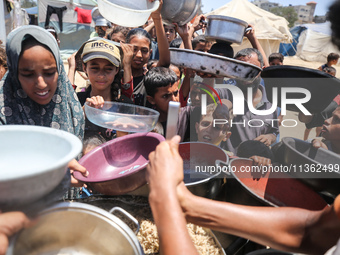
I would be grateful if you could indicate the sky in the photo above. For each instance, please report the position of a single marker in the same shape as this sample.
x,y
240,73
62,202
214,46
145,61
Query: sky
x,y
321,7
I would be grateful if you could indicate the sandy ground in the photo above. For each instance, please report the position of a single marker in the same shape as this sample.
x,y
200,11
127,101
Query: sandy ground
x,y
297,131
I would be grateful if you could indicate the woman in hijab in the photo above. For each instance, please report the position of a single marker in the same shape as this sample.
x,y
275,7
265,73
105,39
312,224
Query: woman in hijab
x,y
36,90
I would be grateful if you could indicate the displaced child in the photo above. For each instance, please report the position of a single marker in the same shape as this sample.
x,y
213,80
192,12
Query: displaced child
x,y
101,63
331,133
161,88
332,59
199,43
141,41
276,59
205,129
118,34
36,90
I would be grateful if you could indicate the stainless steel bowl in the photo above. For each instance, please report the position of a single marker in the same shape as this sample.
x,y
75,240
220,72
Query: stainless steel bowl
x,y
179,11
76,228
225,28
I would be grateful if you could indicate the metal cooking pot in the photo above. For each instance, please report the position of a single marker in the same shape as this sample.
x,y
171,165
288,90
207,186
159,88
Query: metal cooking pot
x,y
225,28
274,188
308,161
77,228
203,155
179,11
198,157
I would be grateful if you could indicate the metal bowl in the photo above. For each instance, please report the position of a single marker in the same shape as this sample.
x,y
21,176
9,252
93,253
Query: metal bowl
x,y
132,13
203,155
275,189
118,166
33,162
77,228
214,64
225,28
200,165
179,11
308,161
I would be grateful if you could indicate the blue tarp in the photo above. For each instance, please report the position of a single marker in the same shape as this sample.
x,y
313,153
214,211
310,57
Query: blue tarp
x,y
32,10
289,49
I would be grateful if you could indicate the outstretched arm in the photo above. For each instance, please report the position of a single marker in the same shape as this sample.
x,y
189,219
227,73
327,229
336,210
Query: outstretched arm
x,y
256,44
171,224
289,229
163,45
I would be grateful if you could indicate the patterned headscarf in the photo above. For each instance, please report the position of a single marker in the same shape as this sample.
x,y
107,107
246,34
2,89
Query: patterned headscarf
x,y
63,112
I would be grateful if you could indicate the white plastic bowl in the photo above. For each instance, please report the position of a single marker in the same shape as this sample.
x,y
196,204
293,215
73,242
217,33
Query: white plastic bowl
x,y
123,117
33,161
127,13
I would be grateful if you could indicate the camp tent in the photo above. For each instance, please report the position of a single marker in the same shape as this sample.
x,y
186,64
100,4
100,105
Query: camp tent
x,y
312,42
270,29
74,33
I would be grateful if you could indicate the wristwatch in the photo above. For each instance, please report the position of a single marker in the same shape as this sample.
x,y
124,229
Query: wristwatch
x,y
126,86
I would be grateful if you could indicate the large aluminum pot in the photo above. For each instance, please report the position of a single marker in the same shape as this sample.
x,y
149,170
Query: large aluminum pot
x,y
179,11
225,28
77,228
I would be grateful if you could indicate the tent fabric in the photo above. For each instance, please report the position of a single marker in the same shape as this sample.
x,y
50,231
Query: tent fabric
x,y
74,33
314,42
270,29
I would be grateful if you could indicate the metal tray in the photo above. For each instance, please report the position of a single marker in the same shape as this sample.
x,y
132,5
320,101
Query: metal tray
x,y
213,64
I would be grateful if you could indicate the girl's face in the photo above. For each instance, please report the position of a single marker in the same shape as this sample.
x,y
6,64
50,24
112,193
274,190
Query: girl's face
x,y
101,73
141,53
38,74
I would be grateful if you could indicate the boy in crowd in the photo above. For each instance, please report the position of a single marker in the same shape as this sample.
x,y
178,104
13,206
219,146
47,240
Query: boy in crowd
x,y
161,88
199,43
332,59
276,59
207,132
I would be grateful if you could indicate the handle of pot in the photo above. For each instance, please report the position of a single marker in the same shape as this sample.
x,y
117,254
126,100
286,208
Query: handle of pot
x,y
222,164
128,215
247,29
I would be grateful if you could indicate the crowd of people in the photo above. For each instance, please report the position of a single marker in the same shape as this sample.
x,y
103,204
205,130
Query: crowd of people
x,y
36,90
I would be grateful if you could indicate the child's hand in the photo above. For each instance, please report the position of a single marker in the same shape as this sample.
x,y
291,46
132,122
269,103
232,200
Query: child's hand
x,y
266,139
128,53
316,143
10,223
73,165
199,23
183,30
260,162
250,34
96,101
72,61
157,14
